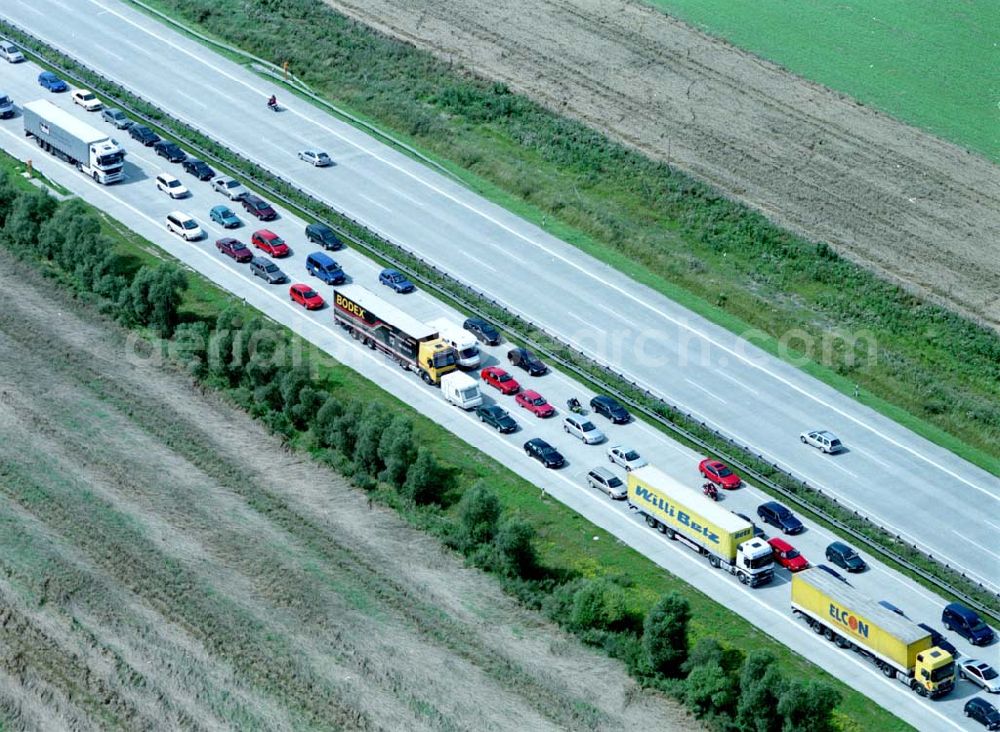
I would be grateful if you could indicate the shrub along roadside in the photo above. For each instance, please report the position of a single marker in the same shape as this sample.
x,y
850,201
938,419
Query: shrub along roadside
x,y
807,498
478,507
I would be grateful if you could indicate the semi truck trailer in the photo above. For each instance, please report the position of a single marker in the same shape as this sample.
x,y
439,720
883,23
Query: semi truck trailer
x,y
60,133
382,326
684,514
900,648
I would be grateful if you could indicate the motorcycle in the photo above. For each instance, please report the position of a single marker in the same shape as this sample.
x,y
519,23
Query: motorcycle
x,y
574,406
711,491
272,104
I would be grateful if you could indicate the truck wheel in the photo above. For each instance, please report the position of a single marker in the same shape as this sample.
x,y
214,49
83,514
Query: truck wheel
x,y
921,691
889,671
743,578
426,377
828,634
651,522
714,561
817,628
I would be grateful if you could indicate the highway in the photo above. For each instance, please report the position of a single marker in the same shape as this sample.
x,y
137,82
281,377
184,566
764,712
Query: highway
x,y
141,207
919,491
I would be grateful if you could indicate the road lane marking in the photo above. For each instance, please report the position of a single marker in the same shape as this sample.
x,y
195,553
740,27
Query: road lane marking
x,y
375,203
190,98
696,385
841,467
870,456
476,259
736,381
976,543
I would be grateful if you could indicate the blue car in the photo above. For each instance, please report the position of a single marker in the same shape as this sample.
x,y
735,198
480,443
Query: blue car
x,y
52,82
224,217
396,280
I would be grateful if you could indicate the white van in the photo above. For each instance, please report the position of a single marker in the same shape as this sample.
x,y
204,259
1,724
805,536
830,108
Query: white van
x,y
465,344
461,390
184,226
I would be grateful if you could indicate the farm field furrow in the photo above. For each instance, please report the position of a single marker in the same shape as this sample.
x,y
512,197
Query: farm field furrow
x,y
166,563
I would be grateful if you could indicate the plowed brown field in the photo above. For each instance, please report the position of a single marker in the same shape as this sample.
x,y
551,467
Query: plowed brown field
x,y
918,210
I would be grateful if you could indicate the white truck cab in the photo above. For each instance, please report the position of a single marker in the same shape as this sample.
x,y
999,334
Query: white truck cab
x,y
461,390
465,344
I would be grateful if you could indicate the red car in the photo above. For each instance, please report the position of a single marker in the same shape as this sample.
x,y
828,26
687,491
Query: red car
x,y
259,208
500,379
719,473
234,248
270,242
786,555
306,296
535,402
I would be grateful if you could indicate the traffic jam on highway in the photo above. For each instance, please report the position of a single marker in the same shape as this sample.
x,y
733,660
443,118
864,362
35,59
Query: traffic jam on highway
x,y
566,433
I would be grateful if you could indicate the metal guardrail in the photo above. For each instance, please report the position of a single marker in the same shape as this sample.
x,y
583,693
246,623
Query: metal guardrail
x,y
473,304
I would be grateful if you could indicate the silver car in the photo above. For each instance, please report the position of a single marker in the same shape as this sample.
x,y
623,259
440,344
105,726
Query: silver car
x,y
823,440
626,457
230,188
316,158
980,673
583,429
604,480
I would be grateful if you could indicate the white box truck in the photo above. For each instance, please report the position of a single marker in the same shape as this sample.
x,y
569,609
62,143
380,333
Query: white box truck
x,y
461,390
60,133
464,343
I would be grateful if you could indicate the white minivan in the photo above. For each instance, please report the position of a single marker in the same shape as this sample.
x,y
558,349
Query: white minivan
x,y
461,390
184,226
465,344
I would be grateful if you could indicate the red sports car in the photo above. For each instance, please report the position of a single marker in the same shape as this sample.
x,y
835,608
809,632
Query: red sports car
x,y
268,241
500,379
719,473
305,296
535,402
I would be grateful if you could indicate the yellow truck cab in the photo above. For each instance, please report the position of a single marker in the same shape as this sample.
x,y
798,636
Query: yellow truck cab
x,y
900,648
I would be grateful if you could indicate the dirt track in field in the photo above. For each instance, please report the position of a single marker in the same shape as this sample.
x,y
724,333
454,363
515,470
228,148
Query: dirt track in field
x,y
919,211
166,564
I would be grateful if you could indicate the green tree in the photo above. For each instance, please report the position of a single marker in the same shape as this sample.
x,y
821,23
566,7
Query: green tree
x,y
664,636
761,684
478,517
807,707
709,690
425,479
599,604
310,400
28,211
345,429
8,193
325,424
396,450
165,296
190,347
515,549
374,420
706,652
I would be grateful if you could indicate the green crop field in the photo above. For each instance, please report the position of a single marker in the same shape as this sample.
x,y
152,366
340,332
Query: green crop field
x,y
932,64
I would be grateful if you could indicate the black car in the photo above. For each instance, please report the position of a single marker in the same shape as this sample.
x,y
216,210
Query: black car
x,y
544,453
983,712
496,416
525,359
483,331
141,133
757,531
780,517
610,408
845,557
198,168
324,236
170,151
939,640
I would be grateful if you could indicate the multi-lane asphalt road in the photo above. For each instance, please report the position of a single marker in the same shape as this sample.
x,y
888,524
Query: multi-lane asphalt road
x,y
139,205
917,490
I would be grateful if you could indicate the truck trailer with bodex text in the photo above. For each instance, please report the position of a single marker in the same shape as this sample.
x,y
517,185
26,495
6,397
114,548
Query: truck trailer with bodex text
x,y
60,133
380,325
686,515
899,647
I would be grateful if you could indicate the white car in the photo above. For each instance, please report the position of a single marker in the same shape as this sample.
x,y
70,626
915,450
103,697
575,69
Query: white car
x,y
86,99
184,226
10,52
823,440
583,429
317,158
230,188
626,457
980,673
171,186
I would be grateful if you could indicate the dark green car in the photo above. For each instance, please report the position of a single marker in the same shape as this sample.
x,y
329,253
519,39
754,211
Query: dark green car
x,y
496,416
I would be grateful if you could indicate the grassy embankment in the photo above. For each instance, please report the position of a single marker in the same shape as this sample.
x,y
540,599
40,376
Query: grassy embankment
x,y
934,372
564,540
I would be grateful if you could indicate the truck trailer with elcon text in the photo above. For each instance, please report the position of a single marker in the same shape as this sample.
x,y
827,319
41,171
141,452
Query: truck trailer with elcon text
x,y
900,648
686,515
382,326
60,133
